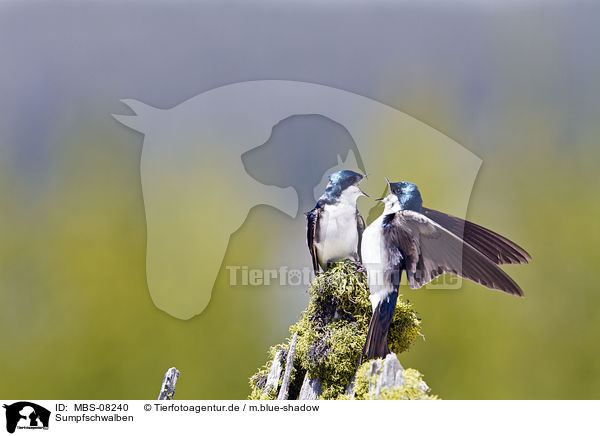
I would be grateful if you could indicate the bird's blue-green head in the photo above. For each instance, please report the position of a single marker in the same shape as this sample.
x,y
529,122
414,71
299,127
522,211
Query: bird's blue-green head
x,y
408,195
343,181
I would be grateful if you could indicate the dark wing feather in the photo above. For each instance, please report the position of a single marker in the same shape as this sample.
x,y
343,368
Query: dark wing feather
x,y
312,235
360,228
498,248
430,250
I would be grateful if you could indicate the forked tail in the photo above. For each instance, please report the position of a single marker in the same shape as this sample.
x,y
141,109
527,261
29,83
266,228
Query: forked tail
x,y
376,344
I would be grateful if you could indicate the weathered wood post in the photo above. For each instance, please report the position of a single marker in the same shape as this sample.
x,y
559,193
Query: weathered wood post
x,y
289,365
167,390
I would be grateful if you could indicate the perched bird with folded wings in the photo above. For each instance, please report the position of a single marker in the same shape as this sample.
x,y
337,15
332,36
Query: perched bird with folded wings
x,y
426,243
334,226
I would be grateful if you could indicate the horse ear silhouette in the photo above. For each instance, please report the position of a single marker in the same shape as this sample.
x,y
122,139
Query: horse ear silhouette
x,y
141,119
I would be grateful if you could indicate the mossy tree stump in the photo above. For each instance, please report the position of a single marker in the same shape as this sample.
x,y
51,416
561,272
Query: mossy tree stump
x,y
328,343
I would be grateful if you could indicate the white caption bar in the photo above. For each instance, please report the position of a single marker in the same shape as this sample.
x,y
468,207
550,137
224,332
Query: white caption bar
x,y
297,417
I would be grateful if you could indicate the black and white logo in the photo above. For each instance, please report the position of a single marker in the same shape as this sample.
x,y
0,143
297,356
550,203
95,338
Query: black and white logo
x,y
26,415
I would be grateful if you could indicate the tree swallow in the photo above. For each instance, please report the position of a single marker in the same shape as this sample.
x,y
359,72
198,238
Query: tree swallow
x,y
334,227
426,243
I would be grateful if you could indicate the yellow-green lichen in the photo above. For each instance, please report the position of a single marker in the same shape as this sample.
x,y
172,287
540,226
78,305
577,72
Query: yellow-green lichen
x,y
362,380
414,387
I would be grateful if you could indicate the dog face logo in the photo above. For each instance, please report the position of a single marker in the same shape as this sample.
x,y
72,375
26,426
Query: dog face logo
x,y
195,171
316,145
26,415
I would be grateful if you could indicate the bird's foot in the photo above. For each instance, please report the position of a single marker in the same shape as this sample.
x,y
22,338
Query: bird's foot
x,y
359,267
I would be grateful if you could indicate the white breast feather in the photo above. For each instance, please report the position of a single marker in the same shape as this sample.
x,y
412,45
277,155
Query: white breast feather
x,y
338,235
374,259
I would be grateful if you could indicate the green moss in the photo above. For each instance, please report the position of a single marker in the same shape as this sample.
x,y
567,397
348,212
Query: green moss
x,y
332,332
405,328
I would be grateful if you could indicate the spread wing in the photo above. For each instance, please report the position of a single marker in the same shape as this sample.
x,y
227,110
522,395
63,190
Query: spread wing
x,y
360,228
429,250
312,235
496,247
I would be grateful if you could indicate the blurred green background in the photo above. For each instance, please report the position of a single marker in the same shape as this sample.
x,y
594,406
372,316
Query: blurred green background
x,y
516,85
